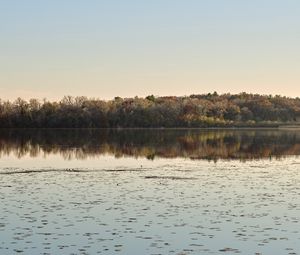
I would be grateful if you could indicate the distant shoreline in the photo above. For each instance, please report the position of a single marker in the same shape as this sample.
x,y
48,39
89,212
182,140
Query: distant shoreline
x,y
203,111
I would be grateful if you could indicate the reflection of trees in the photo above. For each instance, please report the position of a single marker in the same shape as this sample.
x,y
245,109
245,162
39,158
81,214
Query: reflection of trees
x,y
194,144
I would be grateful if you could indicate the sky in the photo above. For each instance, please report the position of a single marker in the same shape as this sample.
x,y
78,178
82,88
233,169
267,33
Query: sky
x,y
103,49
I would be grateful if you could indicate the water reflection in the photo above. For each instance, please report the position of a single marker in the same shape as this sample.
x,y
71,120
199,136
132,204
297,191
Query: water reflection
x,y
151,144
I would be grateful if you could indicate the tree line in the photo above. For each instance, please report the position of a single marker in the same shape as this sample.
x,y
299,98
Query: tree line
x,y
205,110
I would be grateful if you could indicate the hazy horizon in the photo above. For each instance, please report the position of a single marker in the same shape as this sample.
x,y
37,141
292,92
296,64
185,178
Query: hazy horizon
x,y
132,48
59,98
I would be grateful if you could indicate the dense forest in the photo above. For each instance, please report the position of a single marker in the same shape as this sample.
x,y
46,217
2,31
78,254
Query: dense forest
x,y
206,110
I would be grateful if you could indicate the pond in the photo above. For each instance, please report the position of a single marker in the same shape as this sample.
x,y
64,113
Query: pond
x,y
137,192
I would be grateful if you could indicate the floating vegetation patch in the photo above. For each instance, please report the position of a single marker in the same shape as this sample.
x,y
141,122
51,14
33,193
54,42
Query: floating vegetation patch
x,y
28,171
169,177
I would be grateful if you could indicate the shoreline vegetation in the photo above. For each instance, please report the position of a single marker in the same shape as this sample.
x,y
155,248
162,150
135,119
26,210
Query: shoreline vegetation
x,y
205,111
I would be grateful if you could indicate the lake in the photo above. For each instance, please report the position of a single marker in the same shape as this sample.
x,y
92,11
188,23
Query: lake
x,y
140,192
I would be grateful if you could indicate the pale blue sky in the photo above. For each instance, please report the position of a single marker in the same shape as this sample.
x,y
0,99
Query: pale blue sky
x,y
51,48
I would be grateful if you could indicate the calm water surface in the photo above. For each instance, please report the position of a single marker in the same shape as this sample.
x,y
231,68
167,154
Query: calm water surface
x,y
149,192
